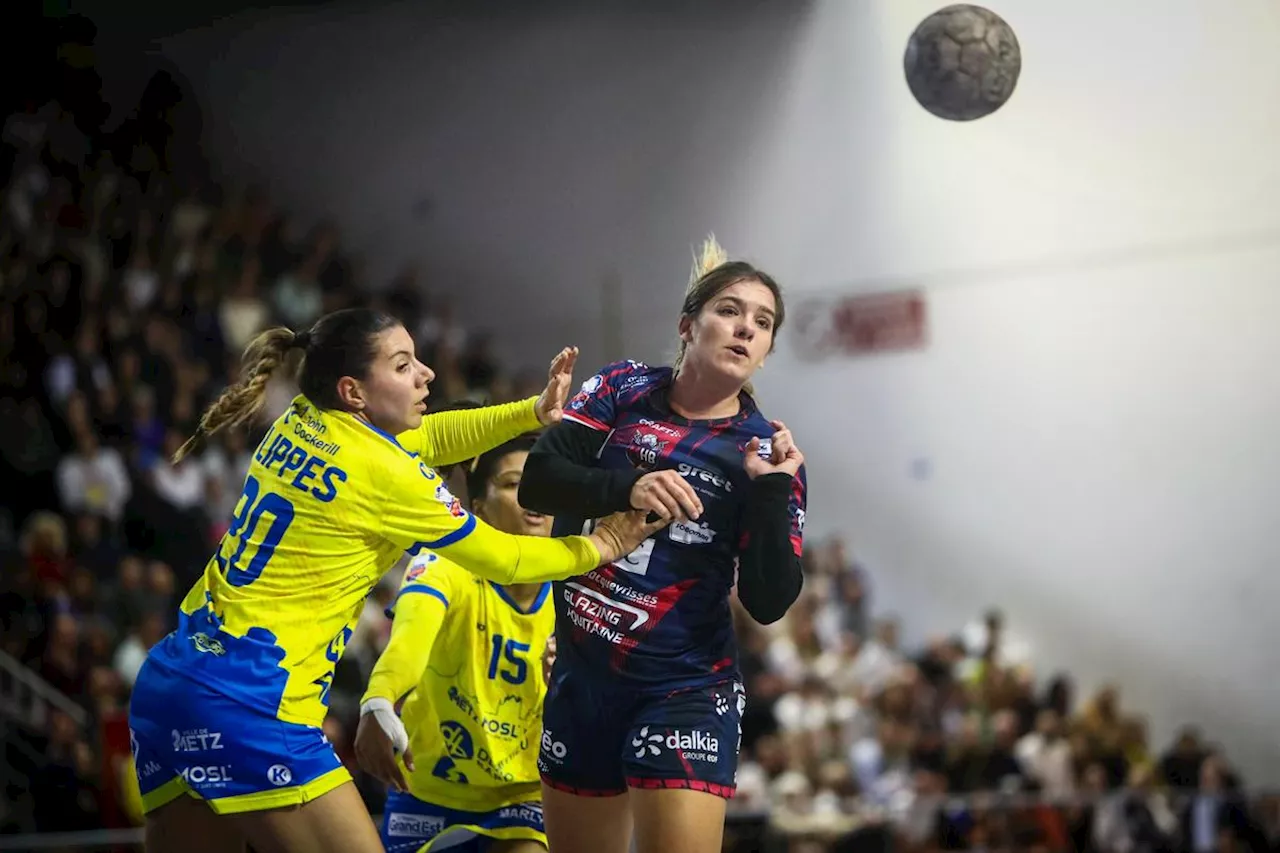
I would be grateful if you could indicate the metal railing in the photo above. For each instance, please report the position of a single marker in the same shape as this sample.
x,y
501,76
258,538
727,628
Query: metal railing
x,y
26,697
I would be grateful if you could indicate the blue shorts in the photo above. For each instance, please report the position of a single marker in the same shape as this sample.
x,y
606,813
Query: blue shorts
x,y
189,739
409,823
599,740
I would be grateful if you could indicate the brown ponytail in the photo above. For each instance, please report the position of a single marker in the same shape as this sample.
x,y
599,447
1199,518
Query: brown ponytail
x,y
262,358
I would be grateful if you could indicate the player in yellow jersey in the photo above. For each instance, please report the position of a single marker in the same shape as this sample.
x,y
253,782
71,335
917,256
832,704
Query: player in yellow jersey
x,y
466,653
227,709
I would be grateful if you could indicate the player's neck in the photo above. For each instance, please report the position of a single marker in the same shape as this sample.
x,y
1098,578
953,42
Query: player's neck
x,y
523,594
701,397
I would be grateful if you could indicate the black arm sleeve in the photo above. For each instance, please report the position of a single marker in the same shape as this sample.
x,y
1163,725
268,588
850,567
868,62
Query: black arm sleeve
x,y
560,478
769,574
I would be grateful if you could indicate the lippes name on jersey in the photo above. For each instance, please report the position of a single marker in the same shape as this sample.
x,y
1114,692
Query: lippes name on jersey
x,y
298,466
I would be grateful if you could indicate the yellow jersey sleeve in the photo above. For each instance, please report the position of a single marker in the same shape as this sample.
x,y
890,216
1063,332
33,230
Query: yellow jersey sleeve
x,y
419,609
447,438
418,513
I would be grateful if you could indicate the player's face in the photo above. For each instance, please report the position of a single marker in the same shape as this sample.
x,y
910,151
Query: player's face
x,y
395,391
500,506
734,332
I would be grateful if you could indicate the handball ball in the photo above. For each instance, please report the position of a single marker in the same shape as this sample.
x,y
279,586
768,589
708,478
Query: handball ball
x,y
962,62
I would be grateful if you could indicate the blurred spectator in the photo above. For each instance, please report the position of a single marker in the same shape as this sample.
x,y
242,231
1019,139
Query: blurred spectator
x,y
991,638
1180,766
1215,815
93,479
60,659
878,659
64,789
44,545
132,653
1045,756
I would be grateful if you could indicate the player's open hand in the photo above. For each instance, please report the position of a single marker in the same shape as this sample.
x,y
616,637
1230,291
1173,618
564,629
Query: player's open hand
x,y
784,457
668,494
623,532
379,737
550,405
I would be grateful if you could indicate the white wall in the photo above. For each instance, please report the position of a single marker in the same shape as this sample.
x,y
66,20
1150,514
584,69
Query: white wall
x,y
1097,405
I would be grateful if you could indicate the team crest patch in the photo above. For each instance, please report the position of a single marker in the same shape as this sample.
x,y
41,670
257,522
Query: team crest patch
x,y
446,497
650,441
418,567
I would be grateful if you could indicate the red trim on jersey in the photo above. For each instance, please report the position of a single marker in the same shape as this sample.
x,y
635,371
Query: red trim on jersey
x,y
798,490
579,418
725,791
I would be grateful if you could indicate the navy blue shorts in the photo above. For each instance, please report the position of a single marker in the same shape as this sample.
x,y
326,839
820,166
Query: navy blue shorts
x,y
599,740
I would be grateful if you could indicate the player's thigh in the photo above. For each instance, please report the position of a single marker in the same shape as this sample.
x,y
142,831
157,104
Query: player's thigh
x,y
668,820
681,766
515,845
578,824
187,825
334,822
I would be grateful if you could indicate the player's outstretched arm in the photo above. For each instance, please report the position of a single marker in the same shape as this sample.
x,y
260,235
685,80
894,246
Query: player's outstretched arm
x,y
417,513
560,479
446,438
509,559
561,476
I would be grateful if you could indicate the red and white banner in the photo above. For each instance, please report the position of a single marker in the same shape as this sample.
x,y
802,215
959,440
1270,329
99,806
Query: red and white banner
x,y
860,325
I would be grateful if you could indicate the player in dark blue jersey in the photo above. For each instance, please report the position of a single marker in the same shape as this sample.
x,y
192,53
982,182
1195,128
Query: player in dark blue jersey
x,y
641,721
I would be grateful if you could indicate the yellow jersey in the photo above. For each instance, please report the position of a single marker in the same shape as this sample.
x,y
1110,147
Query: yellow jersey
x,y
328,503
470,661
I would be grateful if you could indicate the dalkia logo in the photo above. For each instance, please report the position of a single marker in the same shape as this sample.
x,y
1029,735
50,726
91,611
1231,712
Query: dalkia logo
x,y
694,741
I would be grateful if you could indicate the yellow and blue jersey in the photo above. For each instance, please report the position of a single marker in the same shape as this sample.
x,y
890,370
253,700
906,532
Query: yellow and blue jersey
x,y
468,658
328,503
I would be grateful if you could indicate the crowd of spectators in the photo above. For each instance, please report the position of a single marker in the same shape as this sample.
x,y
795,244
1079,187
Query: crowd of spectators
x,y
129,284
961,744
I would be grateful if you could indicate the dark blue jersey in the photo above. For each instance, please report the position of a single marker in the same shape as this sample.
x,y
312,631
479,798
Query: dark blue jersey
x,y
660,616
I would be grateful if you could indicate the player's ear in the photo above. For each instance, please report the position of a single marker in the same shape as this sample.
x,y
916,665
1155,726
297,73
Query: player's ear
x,y
478,509
351,394
686,329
